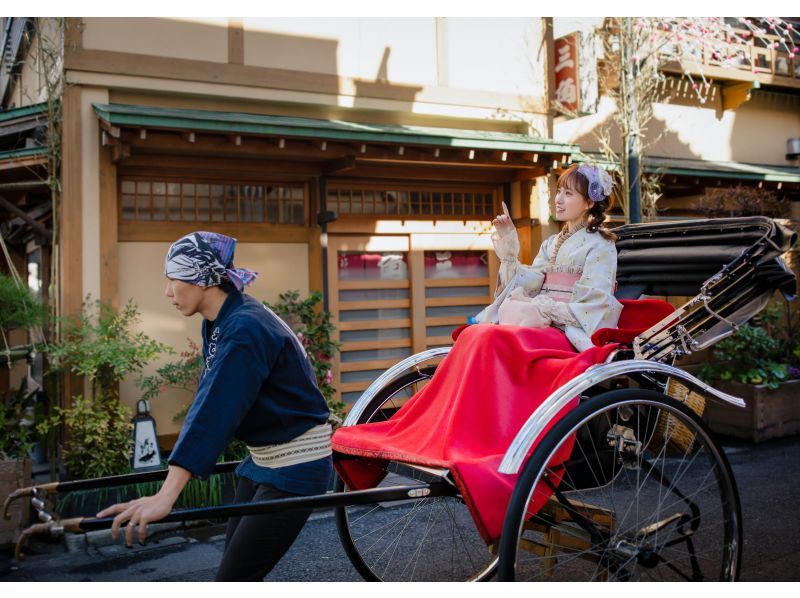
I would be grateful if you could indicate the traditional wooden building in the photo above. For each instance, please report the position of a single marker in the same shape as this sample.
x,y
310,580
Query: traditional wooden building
x,y
363,158
740,136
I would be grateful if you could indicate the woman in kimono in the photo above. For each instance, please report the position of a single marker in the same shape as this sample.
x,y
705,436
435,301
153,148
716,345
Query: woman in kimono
x,y
570,284
494,377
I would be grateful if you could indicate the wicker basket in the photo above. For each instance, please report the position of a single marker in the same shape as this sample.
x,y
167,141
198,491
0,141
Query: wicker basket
x,y
680,438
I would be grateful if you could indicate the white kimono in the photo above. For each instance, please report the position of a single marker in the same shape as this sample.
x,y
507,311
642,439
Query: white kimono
x,y
592,304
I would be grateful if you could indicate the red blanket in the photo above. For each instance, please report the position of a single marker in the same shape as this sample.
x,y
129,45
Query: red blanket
x,y
468,414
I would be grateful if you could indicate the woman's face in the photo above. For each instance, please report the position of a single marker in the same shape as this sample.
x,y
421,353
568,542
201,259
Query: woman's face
x,y
571,206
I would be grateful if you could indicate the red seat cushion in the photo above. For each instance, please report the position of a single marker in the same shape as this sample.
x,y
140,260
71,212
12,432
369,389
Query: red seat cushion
x,y
637,316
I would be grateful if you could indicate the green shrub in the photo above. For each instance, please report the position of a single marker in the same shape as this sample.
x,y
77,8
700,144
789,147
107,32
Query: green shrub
x,y
763,352
98,436
101,345
313,327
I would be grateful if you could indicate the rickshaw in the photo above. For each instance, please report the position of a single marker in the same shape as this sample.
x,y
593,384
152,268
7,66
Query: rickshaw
x,y
628,484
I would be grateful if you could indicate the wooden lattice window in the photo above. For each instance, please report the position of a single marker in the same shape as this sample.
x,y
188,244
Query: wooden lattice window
x,y
399,202
195,201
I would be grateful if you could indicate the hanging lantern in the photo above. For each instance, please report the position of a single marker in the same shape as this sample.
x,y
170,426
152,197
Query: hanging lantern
x,y
146,454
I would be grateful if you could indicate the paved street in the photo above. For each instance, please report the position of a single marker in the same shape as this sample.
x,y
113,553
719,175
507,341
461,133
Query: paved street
x,y
768,476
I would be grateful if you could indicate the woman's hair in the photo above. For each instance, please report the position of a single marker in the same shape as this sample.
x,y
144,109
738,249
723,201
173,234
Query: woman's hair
x,y
572,179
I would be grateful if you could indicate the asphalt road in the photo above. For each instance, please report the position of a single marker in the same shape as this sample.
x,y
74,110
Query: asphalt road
x,y
768,476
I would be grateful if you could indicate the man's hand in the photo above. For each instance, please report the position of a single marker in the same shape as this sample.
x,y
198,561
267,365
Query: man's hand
x,y
140,512
137,513
503,223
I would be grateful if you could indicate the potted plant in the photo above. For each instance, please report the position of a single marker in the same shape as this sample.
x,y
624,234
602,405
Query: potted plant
x,y
760,363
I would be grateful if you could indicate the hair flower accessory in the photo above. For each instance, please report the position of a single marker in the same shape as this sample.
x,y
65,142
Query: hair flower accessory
x,y
600,182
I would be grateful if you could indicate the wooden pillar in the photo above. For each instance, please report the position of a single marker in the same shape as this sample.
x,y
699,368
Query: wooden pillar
x,y
70,220
527,250
316,278
416,277
548,59
109,248
235,40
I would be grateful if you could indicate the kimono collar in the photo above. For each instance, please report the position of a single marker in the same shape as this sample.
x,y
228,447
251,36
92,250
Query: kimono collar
x,y
562,238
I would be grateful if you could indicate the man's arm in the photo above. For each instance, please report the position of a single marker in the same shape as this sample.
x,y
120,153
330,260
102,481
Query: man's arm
x,y
140,512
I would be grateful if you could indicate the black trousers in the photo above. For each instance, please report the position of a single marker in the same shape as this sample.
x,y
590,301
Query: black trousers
x,y
255,543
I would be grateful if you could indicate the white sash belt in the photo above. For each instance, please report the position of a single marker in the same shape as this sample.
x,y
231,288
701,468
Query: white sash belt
x,y
309,446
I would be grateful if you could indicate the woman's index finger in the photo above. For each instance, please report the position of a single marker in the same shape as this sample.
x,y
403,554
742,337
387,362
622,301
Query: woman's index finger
x,y
505,209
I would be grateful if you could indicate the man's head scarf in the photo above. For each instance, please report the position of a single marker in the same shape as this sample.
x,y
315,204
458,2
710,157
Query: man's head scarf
x,y
206,260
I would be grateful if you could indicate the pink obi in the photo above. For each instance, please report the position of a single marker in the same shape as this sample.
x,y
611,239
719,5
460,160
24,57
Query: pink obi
x,y
558,285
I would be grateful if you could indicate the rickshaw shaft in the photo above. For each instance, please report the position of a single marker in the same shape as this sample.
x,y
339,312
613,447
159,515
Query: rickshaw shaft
x,y
320,501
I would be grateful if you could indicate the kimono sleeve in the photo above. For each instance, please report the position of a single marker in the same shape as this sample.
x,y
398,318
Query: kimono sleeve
x,y
227,391
593,303
530,278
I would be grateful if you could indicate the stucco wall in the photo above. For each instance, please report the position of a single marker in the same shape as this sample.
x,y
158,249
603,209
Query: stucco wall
x,y
192,38
755,132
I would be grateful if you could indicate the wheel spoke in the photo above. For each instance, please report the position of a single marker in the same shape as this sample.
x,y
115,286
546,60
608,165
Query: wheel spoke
x,y
668,509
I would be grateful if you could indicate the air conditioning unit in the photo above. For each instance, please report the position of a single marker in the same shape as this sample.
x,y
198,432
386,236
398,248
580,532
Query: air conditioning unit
x,y
793,148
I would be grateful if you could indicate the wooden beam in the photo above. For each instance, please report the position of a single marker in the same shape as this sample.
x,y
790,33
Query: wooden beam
x,y
338,166
735,95
26,163
187,69
221,168
115,132
22,186
120,151
245,232
718,73
427,173
38,227
527,174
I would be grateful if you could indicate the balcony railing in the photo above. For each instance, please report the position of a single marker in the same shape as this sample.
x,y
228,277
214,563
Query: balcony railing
x,y
764,55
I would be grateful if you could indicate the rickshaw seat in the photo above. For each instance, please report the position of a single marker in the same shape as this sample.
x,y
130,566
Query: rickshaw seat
x,y
637,316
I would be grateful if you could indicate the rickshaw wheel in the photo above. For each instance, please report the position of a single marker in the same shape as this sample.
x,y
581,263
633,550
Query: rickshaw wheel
x,y
426,539
628,486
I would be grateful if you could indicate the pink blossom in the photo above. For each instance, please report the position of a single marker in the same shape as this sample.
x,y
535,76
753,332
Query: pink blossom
x,y
328,377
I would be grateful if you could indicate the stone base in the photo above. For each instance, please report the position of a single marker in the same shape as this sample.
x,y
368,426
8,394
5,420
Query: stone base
x,y
14,474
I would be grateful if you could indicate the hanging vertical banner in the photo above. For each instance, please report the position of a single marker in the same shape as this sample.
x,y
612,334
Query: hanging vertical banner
x,y
567,92
575,67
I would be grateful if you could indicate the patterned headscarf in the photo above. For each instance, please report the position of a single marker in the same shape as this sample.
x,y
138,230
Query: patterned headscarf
x,y
206,260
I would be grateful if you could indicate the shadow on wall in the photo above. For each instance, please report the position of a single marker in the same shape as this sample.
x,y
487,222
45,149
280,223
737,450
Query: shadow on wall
x,y
403,95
